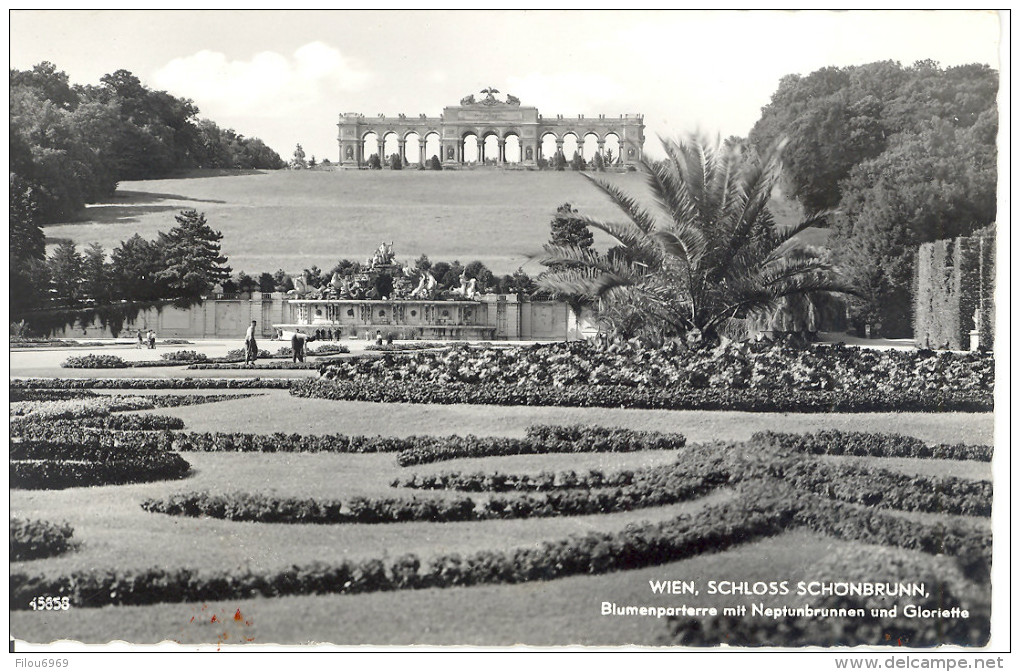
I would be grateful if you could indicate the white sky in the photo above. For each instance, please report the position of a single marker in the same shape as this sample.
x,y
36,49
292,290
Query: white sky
x,y
284,76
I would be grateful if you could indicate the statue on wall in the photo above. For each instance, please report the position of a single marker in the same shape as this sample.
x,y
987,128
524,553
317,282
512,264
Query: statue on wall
x,y
490,98
425,287
468,100
350,153
300,287
468,287
449,153
529,153
512,100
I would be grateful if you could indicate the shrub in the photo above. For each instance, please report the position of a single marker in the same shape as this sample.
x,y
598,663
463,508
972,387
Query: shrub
x,y
18,394
947,587
46,465
753,377
266,365
238,354
408,346
330,349
184,356
715,527
45,411
129,422
32,539
149,383
94,362
836,442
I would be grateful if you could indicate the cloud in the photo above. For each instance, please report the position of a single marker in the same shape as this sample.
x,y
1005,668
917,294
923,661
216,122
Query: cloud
x,y
568,93
268,85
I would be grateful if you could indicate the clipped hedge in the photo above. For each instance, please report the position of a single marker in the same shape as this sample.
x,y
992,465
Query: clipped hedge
x,y
837,442
17,394
94,362
658,489
751,377
48,411
890,490
184,356
859,400
948,588
973,548
404,347
127,422
265,365
712,528
149,383
44,465
31,539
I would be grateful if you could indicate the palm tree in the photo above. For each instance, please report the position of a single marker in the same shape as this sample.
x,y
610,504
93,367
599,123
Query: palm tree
x,y
710,257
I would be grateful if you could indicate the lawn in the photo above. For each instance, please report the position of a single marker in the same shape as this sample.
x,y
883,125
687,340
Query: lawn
x,y
547,613
294,219
279,411
116,534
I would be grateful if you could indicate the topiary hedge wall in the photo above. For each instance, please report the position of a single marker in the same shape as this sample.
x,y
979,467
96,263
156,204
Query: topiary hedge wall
x,y
954,279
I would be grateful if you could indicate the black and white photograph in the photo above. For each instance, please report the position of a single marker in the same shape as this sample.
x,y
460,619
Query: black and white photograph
x,y
510,331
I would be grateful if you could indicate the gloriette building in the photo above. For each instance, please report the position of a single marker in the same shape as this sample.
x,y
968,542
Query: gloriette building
x,y
489,130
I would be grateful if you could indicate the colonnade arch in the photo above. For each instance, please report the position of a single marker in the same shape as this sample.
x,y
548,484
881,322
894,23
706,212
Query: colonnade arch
x,y
391,146
370,144
570,144
512,132
513,152
470,150
433,146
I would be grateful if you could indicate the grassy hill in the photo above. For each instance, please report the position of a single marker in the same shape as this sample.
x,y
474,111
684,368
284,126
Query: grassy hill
x,y
294,219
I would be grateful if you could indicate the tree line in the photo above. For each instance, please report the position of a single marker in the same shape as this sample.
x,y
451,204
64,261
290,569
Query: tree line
x,y
904,155
71,144
181,264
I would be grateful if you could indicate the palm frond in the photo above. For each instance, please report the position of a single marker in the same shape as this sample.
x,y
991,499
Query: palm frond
x,y
643,219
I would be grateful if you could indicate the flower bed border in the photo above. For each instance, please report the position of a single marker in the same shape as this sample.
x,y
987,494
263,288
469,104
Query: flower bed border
x,y
619,396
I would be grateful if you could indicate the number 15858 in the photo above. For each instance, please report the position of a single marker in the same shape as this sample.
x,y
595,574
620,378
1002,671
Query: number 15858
x,y
50,603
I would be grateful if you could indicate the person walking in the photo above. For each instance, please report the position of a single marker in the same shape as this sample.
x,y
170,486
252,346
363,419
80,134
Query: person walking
x,y
152,339
140,341
251,348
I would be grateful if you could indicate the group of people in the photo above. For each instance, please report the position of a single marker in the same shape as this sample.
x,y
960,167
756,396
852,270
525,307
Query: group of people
x,y
298,341
147,339
327,334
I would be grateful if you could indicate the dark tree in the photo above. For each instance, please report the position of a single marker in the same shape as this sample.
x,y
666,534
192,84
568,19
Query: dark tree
x,y
345,267
267,283
29,274
27,240
299,158
66,273
133,269
374,163
451,278
96,279
435,163
191,252
246,284
483,275
569,230
422,264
